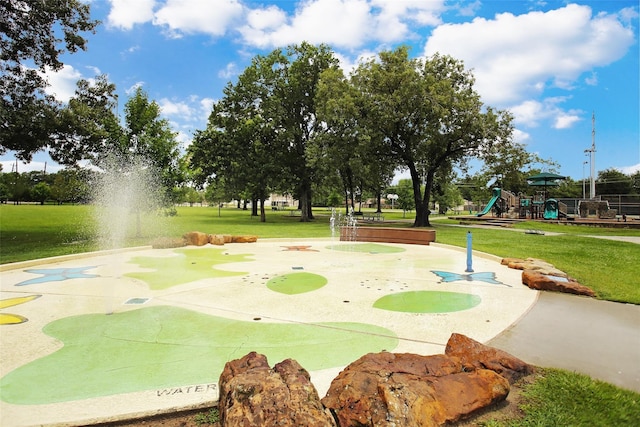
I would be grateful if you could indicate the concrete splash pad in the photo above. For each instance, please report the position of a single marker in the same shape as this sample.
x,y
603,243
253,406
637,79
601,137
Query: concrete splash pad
x,y
107,336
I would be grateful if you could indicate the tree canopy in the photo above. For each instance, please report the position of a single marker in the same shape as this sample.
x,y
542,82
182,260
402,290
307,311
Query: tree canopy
x,y
260,134
421,115
33,36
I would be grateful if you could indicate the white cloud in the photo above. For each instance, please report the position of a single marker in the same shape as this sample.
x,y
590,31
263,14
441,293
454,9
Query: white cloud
x,y
198,16
527,113
193,112
206,105
565,120
520,136
229,71
531,112
62,84
469,9
629,170
177,109
125,14
592,79
347,24
132,89
340,23
266,18
349,64
392,23
184,139
515,57
130,50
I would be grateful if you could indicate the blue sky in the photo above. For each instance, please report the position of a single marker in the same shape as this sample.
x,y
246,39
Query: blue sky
x,y
551,63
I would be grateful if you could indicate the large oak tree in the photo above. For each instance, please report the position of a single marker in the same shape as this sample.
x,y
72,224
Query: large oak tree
x,y
429,117
260,135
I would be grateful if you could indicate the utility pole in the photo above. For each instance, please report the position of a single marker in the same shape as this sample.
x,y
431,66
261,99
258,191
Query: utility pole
x,y
593,155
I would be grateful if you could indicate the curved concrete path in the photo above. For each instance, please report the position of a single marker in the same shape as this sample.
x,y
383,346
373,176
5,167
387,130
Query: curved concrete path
x,y
580,334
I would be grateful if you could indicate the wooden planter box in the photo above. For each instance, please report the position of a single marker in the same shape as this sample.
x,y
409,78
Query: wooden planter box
x,y
414,236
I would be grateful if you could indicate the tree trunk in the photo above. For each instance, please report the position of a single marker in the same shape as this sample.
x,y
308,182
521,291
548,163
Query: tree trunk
x,y
422,203
379,202
304,208
263,214
346,202
422,214
306,213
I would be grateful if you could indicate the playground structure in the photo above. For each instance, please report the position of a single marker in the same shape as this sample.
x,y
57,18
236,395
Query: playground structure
x,y
507,204
521,206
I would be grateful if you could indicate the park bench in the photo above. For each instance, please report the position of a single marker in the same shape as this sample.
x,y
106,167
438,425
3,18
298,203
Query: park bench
x,y
376,216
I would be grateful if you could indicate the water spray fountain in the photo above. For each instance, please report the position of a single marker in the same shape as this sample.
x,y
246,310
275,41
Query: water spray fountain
x,y
126,189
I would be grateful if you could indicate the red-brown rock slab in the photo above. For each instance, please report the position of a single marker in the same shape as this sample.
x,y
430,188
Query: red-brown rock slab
x,y
545,282
388,389
541,275
253,394
532,264
196,238
475,355
244,239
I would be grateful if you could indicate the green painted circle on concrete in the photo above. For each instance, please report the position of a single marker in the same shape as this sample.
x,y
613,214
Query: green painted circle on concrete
x,y
427,302
296,283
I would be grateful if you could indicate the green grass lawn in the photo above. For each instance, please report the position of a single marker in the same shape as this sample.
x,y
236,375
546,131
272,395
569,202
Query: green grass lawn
x,y
611,268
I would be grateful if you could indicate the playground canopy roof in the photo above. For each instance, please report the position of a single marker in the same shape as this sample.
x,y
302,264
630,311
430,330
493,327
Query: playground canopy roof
x,y
543,184
545,177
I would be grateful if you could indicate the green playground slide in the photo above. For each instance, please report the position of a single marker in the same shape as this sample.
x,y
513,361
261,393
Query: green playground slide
x,y
496,195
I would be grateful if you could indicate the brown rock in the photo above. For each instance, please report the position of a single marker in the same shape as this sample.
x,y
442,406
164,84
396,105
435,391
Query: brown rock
x,y
228,238
253,394
196,238
382,389
533,264
244,239
546,282
216,239
474,355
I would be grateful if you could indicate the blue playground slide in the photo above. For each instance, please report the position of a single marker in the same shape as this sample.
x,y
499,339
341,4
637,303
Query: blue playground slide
x,y
496,195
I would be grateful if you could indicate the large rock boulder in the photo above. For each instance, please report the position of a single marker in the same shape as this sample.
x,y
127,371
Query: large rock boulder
x,y
475,355
196,238
533,264
383,389
546,282
216,239
253,394
542,276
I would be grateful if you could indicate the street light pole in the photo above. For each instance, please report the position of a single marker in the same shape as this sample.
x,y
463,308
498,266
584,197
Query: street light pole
x,y
584,195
